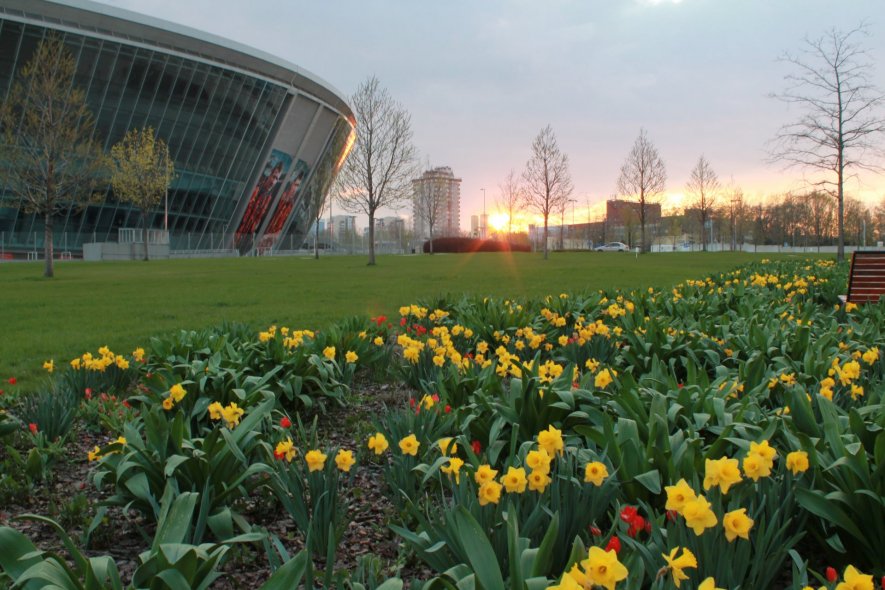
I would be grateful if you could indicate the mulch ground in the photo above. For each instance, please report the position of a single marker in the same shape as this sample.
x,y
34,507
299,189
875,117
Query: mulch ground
x,y
125,535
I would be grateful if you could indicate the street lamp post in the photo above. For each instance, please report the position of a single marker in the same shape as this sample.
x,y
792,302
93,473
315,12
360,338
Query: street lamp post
x,y
485,220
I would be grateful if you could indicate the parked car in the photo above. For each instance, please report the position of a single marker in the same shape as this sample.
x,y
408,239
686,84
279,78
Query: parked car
x,y
612,247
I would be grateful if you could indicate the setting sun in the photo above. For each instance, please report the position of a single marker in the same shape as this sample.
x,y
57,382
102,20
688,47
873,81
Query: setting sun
x,y
498,221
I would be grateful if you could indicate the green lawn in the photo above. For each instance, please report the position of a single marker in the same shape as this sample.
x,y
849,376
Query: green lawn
x,y
121,304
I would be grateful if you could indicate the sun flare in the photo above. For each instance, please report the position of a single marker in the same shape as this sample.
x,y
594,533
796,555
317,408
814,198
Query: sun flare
x,y
498,222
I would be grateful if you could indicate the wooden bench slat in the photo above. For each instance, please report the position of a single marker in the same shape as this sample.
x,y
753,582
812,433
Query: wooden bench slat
x,y
866,277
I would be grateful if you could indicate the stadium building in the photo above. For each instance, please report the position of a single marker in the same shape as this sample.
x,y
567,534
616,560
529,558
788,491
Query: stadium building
x,y
256,141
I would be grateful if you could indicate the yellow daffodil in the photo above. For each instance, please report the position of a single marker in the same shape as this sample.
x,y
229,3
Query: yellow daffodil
x,y
538,481
755,467
679,495
94,454
603,568
378,341
138,354
797,462
595,473
49,366
177,392
567,583
737,524
168,404
285,450
351,357
232,414
603,378
315,460
453,468
446,445
854,580
489,493
215,410
514,480
329,353
409,445
677,565
378,443
722,472
344,460
698,515
539,460
484,474
856,391
551,441
709,584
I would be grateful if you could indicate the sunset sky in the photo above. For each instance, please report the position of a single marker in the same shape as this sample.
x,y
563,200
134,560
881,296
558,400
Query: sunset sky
x,y
482,78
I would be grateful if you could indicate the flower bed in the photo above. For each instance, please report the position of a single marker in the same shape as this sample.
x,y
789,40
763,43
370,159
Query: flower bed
x,y
726,433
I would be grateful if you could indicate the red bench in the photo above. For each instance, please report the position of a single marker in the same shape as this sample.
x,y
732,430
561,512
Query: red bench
x,y
866,279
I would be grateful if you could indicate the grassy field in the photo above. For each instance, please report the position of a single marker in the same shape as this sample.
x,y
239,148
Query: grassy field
x,y
122,304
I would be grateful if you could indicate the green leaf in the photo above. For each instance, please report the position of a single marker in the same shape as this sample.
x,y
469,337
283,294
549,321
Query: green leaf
x,y
479,551
289,575
13,547
651,480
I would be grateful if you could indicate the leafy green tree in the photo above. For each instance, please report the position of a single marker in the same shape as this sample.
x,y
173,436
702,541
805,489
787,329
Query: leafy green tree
x,y
52,161
141,172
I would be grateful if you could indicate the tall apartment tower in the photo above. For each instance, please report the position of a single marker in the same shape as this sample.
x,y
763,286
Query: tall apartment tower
x,y
437,199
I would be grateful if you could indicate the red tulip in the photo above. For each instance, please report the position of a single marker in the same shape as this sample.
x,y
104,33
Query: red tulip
x,y
614,543
12,381
476,446
832,576
285,422
594,530
447,409
33,428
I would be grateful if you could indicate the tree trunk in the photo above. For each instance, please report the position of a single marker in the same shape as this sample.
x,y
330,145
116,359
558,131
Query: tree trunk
x,y
703,230
840,251
316,239
430,245
49,269
144,232
371,239
545,236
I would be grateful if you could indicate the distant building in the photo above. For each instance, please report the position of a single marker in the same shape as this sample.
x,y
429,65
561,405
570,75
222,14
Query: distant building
x,y
447,221
622,213
256,140
479,226
343,227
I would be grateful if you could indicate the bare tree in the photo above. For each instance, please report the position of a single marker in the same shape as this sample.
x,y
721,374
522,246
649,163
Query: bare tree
x,y
380,168
880,220
431,196
858,220
839,121
643,177
736,213
547,180
141,172
51,161
703,186
511,198
821,208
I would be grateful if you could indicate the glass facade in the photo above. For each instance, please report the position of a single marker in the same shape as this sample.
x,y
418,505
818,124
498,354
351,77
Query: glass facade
x,y
221,125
